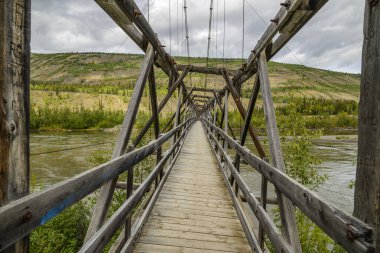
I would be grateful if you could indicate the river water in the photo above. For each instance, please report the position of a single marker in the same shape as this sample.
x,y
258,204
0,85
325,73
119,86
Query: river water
x,y
55,156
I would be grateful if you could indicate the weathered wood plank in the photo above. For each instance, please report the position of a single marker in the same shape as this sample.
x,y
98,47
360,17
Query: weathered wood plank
x,y
367,186
156,225
207,198
14,104
189,243
187,201
188,212
222,224
147,248
223,206
169,233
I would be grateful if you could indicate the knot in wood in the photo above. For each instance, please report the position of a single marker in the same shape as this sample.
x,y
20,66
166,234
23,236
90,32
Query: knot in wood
x,y
12,127
286,4
27,217
372,3
136,13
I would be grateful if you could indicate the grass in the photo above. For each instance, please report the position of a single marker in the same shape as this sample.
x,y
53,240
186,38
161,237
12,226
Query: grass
x,y
86,90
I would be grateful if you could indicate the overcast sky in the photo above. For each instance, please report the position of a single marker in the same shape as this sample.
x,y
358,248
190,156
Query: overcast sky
x,y
331,40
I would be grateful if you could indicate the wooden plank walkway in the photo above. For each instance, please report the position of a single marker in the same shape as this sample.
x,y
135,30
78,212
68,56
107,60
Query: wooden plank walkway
x,y
194,212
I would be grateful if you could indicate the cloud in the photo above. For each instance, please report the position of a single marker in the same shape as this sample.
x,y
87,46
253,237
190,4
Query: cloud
x,y
331,40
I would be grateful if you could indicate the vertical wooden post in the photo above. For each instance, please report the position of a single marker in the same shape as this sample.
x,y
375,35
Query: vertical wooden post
x,y
14,104
226,119
215,112
155,113
367,188
130,177
177,115
286,207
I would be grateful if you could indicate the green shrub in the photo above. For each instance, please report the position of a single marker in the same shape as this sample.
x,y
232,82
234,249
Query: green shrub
x,y
64,233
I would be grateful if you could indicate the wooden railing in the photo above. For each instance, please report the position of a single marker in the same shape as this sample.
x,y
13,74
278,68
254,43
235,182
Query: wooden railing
x,y
353,234
22,216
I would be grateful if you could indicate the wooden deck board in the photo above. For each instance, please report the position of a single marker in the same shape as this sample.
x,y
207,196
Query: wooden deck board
x,y
194,212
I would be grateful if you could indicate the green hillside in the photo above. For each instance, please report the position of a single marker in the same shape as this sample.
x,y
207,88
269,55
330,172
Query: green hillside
x,y
78,81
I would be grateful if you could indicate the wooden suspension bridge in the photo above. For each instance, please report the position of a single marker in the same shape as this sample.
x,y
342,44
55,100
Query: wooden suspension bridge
x,y
192,201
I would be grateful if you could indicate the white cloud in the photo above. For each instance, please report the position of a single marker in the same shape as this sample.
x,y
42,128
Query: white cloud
x,y
331,40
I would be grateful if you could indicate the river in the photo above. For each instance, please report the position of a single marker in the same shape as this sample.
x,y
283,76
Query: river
x,y
57,155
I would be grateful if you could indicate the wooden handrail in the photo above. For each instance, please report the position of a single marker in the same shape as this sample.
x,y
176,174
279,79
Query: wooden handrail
x,y
100,239
350,232
22,216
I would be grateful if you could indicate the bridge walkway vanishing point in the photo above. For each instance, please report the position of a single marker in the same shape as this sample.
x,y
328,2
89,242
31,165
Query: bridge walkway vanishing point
x,y
194,212
195,205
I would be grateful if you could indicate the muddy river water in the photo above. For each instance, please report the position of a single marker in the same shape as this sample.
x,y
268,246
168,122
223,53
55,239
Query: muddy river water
x,y
59,155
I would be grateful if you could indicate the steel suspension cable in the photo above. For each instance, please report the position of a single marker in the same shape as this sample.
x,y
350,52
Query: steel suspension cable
x,y
187,31
170,28
178,41
242,56
216,29
209,37
243,37
187,37
182,37
224,31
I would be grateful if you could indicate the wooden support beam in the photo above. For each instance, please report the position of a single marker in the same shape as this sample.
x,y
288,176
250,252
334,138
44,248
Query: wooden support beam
x,y
204,89
129,192
117,14
14,105
130,9
123,185
286,208
289,20
226,118
155,113
367,185
106,193
242,112
168,123
310,9
215,112
206,70
219,103
178,110
202,96
200,100
161,106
